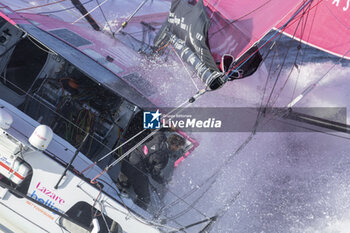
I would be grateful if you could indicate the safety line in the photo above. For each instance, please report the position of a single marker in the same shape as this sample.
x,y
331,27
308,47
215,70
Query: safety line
x,y
90,11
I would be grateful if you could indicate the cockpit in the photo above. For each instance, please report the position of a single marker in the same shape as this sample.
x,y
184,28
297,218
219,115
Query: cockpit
x,y
56,93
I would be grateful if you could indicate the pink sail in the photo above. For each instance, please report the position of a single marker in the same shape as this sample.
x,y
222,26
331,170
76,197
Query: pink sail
x,y
327,27
237,25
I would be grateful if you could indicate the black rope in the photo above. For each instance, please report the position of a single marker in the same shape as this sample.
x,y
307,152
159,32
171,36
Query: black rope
x,y
261,109
125,23
65,9
220,213
81,8
197,223
292,68
181,213
299,48
217,171
246,142
285,57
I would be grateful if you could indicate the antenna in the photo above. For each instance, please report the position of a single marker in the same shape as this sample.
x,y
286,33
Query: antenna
x,y
71,161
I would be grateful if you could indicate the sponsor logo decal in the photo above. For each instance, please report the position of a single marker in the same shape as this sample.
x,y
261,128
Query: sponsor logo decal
x,y
46,197
345,4
151,120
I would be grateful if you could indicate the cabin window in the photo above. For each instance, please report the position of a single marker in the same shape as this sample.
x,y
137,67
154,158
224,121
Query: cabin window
x,y
25,64
72,104
83,213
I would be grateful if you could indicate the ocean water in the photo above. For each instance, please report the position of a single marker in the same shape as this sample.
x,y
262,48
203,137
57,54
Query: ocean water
x,y
268,182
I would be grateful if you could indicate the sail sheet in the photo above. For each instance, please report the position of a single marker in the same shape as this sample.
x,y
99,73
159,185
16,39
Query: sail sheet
x,y
326,26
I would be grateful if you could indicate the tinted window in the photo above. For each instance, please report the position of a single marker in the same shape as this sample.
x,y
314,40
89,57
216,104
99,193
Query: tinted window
x,y
83,213
25,64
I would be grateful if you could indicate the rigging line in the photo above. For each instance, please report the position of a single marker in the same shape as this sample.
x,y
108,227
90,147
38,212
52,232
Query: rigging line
x,y
295,64
131,149
197,223
34,7
302,61
284,60
104,16
212,13
217,171
290,73
298,51
321,77
103,216
312,24
102,201
71,11
208,1
313,85
320,131
316,5
134,216
220,213
145,221
189,74
285,57
181,213
166,219
133,37
93,181
239,18
98,196
125,23
239,149
337,18
131,214
137,134
133,33
89,12
284,84
273,46
278,114
41,48
262,110
188,194
279,31
64,9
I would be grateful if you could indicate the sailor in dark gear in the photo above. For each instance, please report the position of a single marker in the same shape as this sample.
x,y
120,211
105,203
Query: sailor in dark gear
x,y
149,159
